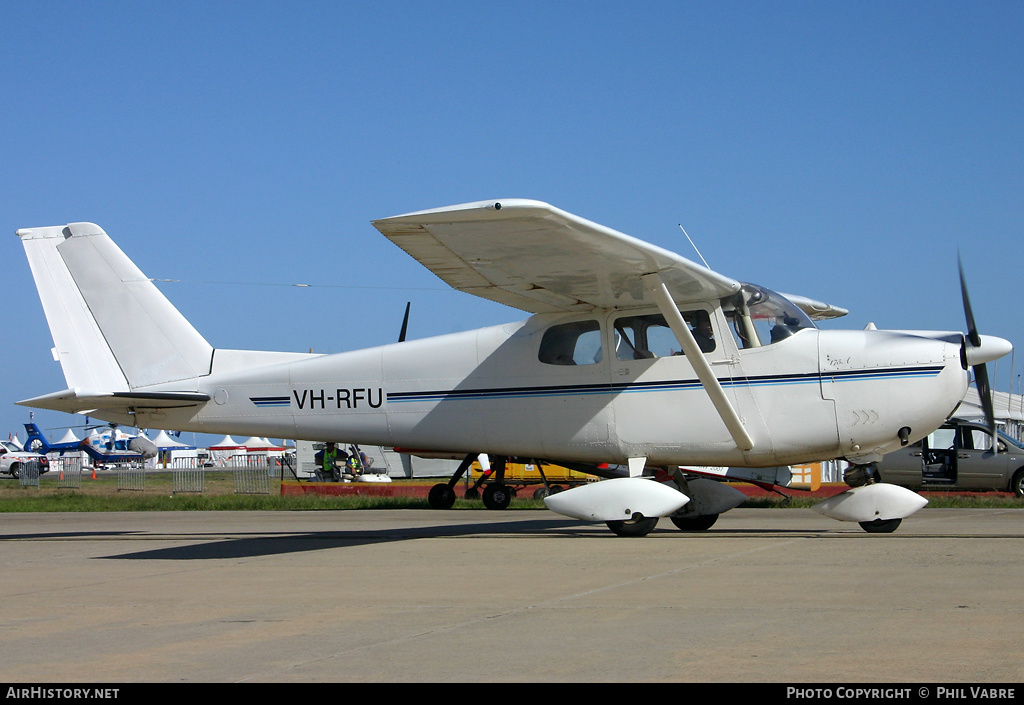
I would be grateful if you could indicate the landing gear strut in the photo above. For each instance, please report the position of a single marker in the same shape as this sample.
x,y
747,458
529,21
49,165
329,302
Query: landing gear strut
x,y
496,494
442,495
860,475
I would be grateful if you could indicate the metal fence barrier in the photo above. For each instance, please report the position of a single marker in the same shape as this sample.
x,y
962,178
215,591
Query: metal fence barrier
x,y
28,474
68,471
187,475
251,474
131,476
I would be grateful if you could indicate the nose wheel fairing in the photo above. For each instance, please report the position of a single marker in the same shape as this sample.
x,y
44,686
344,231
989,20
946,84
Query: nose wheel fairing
x,y
880,505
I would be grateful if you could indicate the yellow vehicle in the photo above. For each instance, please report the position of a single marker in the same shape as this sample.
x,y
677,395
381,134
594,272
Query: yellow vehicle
x,y
518,476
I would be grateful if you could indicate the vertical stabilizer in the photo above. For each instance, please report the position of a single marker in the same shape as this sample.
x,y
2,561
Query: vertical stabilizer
x,y
112,328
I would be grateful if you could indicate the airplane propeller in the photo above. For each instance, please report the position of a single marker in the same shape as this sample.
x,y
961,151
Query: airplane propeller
x,y
978,350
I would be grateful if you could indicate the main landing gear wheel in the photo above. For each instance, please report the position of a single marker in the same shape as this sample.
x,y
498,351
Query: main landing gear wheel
x,y
441,496
880,526
640,526
542,492
699,523
497,496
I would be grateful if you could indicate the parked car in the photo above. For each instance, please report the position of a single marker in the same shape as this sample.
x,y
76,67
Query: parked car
x,y
958,455
12,459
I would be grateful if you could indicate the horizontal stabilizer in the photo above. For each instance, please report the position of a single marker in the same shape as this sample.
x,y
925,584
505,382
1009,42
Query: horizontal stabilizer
x,y
75,401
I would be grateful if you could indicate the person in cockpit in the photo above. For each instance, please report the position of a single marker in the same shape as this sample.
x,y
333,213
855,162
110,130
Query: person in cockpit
x,y
703,333
783,328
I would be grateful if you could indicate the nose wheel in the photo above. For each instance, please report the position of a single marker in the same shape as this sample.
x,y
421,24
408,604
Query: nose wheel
x,y
869,499
880,526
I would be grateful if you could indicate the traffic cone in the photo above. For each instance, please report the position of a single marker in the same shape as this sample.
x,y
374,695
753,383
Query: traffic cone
x,y
94,472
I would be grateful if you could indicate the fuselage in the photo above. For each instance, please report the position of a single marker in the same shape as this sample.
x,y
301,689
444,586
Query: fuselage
x,y
578,387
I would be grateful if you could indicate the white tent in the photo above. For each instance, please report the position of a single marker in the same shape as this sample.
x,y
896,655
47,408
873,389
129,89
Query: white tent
x,y
224,450
263,446
226,443
173,453
69,437
255,443
165,442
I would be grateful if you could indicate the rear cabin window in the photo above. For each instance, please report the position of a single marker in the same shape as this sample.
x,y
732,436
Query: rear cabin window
x,y
576,343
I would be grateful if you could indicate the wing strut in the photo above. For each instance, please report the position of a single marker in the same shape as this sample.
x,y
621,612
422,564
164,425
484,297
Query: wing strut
x,y
700,364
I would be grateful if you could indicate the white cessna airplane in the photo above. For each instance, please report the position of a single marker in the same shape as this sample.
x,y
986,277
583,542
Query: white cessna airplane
x,y
633,357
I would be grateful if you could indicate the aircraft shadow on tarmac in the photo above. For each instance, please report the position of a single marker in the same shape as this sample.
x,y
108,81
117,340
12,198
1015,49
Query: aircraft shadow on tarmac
x,y
276,544
208,546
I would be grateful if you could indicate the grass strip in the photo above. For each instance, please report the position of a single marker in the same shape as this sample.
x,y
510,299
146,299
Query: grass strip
x,y
103,495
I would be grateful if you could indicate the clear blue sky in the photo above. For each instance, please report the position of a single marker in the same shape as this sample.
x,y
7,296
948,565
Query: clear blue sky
x,y
840,150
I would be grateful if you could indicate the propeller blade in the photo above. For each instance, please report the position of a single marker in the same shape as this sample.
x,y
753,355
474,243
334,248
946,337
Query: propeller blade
x,y
972,328
405,323
985,394
980,371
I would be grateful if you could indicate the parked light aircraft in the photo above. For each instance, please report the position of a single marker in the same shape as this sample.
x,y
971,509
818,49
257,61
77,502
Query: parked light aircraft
x,y
633,358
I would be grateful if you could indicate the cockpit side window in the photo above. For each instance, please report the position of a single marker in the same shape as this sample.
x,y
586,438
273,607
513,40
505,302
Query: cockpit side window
x,y
649,336
576,343
760,316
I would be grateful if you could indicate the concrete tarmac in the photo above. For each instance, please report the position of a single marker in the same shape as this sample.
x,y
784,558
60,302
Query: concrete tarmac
x,y
767,595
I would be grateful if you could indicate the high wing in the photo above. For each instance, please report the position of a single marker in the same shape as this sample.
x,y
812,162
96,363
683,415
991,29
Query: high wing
x,y
536,258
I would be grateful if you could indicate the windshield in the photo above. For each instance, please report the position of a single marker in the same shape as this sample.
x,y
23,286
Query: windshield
x,y
760,316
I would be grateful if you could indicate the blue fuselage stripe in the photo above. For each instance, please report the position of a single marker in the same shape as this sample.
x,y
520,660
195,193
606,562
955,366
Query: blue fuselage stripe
x,y
663,386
